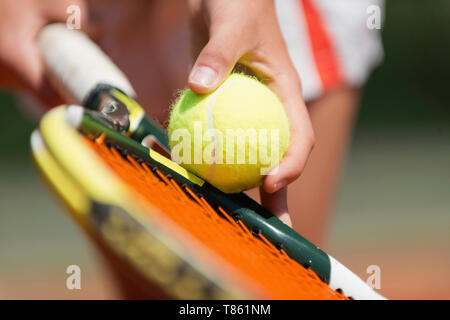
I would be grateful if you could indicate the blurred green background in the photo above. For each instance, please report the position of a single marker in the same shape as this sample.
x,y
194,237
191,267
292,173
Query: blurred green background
x,y
393,208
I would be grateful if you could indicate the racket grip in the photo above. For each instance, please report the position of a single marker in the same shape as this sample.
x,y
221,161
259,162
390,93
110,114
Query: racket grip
x,y
76,65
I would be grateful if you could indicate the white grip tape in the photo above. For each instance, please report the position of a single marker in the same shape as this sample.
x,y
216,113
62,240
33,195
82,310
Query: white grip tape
x,y
76,65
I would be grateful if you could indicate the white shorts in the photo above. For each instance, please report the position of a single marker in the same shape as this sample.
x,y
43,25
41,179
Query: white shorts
x,y
329,42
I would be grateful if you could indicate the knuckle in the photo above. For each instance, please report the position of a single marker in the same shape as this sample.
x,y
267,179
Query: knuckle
x,y
296,172
311,140
217,52
293,169
218,57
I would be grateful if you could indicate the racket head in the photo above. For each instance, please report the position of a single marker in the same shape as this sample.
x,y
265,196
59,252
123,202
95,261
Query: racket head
x,y
192,253
108,210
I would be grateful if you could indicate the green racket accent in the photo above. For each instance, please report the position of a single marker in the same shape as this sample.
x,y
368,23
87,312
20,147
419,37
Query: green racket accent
x,y
239,205
139,126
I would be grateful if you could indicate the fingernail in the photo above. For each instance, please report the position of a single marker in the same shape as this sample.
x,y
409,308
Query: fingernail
x,y
277,186
203,76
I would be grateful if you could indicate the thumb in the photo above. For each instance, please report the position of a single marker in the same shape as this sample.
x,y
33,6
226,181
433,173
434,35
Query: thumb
x,y
213,65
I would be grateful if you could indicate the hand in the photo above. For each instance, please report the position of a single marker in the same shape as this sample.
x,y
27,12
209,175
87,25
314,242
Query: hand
x,y
247,32
21,66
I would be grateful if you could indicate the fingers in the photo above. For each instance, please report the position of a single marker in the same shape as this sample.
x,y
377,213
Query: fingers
x,y
27,67
214,63
211,68
18,31
277,204
24,58
228,43
288,88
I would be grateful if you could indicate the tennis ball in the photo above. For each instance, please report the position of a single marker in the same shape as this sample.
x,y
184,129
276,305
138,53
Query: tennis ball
x,y
232,136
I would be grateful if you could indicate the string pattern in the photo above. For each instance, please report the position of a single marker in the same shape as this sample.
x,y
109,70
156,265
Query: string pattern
x,y
253,255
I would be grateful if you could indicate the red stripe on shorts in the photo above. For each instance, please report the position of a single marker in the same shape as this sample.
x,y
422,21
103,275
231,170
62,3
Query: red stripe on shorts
x,y
322,47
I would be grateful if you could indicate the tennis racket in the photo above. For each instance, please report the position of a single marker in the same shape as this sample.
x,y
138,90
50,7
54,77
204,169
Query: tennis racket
x,y
175,230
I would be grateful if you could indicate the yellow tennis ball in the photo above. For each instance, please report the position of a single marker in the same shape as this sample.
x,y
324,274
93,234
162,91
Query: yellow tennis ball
x,y
231,137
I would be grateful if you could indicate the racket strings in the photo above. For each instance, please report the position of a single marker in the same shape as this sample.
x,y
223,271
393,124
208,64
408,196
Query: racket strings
x,y
253,255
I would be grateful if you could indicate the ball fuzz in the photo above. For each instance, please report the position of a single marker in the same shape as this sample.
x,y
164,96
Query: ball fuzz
x,y
231,137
